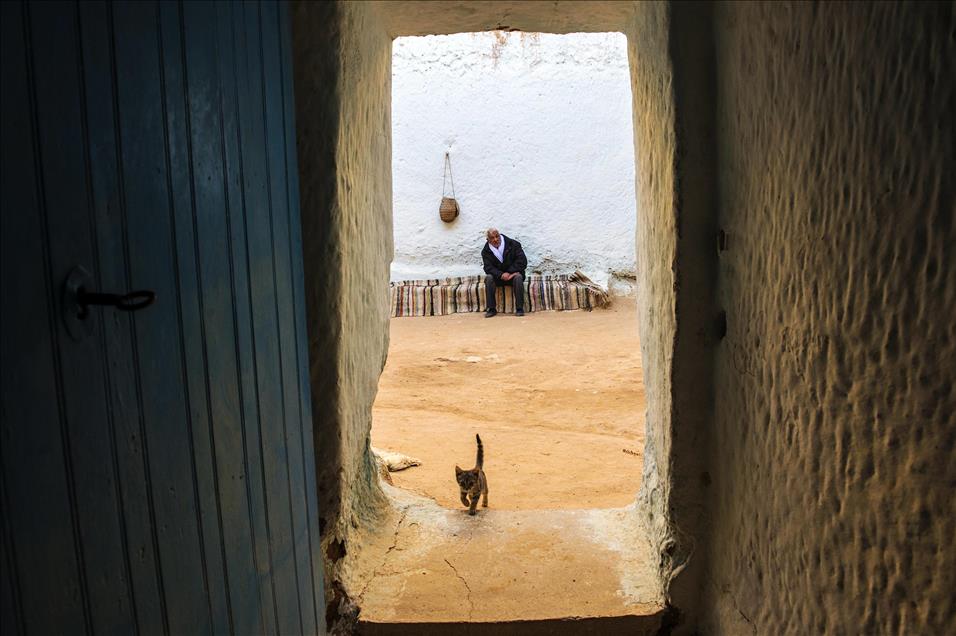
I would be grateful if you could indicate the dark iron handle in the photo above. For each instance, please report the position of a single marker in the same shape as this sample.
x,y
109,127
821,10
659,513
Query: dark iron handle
x,y
76,301
133,301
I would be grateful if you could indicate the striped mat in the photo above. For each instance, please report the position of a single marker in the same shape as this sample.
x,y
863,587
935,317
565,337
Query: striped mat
x,y
543,292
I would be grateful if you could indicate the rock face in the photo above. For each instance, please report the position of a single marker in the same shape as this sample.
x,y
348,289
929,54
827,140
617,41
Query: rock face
x,y
341,74
655,147
800,420
836,419
538,127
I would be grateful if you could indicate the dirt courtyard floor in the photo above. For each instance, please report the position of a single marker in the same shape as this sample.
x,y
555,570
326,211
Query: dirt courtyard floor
x,y
557,397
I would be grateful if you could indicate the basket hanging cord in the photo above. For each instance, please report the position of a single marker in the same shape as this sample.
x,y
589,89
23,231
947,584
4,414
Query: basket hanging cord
x,y
447,175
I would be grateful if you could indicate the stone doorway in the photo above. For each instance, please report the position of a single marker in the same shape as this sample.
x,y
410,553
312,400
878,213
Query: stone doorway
x,y
342,88
557,396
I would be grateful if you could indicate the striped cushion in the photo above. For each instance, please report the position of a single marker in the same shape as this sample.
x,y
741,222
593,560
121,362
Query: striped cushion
x,y
543,292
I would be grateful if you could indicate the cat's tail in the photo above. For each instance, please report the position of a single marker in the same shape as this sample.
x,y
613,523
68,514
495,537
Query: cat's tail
x,y
481,453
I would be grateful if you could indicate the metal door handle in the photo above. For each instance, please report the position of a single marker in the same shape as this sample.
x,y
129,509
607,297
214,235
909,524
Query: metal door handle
x,y
133,301
76,302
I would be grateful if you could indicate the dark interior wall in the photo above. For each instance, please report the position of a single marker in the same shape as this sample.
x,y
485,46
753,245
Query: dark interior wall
x,y
833,471
155,467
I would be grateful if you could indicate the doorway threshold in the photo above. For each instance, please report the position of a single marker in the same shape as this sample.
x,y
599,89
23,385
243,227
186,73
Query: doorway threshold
x,y
503,567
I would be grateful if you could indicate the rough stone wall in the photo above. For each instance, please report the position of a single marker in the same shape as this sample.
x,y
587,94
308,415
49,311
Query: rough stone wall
x,y
833,471
342,72
655,144
828,461
827,465
425,17
674,88
684,552
538,127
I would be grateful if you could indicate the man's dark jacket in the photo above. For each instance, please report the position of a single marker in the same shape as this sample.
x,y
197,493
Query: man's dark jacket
x,y
514,261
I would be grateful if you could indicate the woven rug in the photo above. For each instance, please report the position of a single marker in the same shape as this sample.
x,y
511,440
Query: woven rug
x,y
543,292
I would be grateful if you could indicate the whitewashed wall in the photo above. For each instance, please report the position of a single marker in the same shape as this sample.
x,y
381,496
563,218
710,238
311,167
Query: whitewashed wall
x,y
539,131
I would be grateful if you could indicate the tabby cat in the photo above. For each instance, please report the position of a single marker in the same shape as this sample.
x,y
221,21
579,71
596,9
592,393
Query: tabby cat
x,y
473,483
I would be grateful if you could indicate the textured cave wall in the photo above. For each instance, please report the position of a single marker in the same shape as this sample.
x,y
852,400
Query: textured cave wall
x,y
671,51
342,82
826,465
836,421
426,17
654,147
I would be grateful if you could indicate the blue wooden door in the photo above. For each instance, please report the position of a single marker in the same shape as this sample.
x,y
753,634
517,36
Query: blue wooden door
x,y
157,465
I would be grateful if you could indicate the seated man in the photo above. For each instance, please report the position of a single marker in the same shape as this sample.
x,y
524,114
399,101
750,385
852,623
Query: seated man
x,y
504,263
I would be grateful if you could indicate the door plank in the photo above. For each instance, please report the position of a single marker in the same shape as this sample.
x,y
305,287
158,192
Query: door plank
x,y
36,506
251,171
285,302
211,208
159,343
11,619
266,335
117,337
238,179
301,342
171,448
67,194
230,41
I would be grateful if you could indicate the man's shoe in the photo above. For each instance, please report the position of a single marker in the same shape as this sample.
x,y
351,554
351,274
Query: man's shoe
x,y
519,312
491,313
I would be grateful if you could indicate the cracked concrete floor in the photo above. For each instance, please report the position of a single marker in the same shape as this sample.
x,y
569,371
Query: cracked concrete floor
x,y
431,564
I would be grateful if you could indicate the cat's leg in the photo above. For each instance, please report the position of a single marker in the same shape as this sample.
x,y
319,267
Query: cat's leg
x,y
473,508
464,498
484,491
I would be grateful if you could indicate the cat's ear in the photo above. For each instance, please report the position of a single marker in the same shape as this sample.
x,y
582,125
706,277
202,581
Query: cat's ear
x,y
458,470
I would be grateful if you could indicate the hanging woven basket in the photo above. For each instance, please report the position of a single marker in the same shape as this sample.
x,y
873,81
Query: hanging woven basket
x,y
449,208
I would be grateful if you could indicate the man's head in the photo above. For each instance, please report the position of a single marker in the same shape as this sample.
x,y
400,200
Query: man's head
x,y
494,237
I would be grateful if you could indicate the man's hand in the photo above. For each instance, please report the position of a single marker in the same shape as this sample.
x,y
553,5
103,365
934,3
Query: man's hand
x,y
507,276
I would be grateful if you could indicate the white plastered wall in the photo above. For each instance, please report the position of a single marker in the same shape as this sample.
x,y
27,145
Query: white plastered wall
x,y
538,127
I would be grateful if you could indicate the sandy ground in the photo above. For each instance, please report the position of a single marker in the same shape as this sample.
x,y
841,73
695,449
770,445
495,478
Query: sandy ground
x,y
556,396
